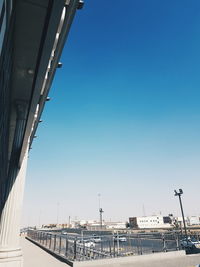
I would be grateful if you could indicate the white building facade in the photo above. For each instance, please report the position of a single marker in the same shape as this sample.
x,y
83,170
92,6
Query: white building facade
x,y
154,221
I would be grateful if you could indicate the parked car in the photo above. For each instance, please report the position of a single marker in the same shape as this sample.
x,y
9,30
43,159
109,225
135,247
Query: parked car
x,y
64,233
86,243
192,242
121,238
96,239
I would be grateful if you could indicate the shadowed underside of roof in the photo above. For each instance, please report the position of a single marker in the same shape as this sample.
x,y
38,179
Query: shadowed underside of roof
x,y
34,37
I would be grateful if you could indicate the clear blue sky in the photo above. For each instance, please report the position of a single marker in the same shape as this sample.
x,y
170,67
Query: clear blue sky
x,y
124,119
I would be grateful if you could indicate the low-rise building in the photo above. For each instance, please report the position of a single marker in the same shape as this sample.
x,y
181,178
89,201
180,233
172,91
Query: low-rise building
x,y
155,221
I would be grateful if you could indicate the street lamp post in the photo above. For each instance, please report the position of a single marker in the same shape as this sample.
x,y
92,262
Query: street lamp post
x,y
179,195
100,213
101,219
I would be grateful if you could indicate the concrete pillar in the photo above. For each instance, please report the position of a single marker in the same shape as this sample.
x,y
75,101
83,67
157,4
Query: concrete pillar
x,y
10,251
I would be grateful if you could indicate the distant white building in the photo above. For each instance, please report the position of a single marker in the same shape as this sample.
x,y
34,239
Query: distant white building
x,y
154,221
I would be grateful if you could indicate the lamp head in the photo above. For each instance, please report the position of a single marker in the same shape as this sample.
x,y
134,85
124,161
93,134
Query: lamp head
x,y
180,191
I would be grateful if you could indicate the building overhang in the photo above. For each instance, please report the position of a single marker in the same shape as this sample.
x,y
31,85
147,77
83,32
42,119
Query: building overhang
x,y
40,29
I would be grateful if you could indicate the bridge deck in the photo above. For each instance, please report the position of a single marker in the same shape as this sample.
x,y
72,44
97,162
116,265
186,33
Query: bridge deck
x,y
35,256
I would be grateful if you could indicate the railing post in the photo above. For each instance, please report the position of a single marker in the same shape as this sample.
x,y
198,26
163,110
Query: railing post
x,y
101,243
177,242
54,247
46,239
110,248
66,247
75,249
50,241
83,251
129,243
164,243
138,247
60,245
117,242
113,247
141,248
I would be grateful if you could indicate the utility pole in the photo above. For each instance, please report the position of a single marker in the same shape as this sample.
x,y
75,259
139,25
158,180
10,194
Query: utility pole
x,y
101,220
179,195
100,213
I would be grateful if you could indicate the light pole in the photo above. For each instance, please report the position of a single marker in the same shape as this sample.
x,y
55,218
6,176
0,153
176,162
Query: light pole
x,y
101,220
179,195
100,213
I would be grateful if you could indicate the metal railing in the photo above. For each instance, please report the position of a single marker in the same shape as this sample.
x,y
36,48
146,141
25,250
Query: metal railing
x,y
82,247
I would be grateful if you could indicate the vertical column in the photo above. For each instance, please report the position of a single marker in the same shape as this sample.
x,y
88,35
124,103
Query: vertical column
x,y
10,251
